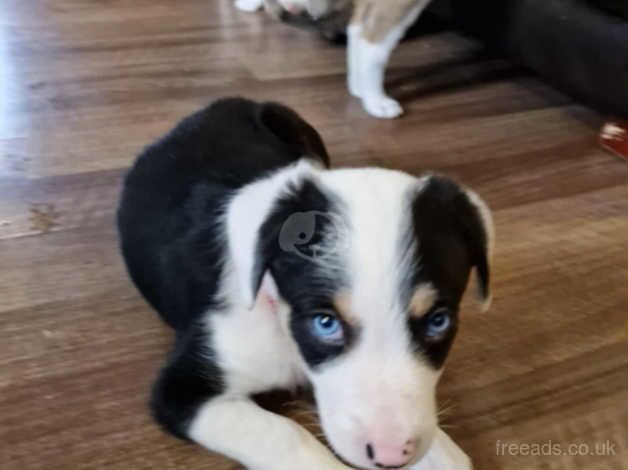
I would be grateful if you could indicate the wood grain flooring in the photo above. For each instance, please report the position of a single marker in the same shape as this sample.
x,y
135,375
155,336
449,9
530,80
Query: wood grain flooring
x,y
84,85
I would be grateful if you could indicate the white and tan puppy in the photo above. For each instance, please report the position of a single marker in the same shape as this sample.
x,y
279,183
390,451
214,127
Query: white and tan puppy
x,y
375,29
314,8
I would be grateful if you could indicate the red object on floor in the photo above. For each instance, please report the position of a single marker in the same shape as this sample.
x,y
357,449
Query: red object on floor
x,y
614,137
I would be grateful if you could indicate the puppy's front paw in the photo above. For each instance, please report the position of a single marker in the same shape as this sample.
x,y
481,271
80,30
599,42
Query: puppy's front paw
x,y
249,5
444,454
382,107
444,462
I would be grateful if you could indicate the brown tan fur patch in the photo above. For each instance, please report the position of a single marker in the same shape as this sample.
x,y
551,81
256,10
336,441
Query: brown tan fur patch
x,y
342,304
378,17
422,300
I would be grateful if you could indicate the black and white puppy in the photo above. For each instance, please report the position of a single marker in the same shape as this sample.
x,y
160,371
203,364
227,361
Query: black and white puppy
x,y
276,271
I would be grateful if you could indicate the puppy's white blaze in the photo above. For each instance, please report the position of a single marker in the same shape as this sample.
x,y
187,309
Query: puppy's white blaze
x,y
376,218
247,211
378,383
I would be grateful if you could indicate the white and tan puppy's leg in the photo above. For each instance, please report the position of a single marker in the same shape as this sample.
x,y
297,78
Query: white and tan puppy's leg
x,y
354,82
444,454
259,439
367,58
249,5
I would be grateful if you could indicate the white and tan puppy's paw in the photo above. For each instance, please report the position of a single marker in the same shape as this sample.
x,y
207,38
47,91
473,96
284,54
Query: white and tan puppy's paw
x,y
444,454
354,85
375,30
249,5
382,107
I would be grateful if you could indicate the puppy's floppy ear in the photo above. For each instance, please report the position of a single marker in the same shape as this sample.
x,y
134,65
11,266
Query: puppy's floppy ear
x,y
443,210
477,223
293,132
247,213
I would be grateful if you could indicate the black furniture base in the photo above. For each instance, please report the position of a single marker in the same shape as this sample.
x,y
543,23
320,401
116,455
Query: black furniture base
x,y
580,46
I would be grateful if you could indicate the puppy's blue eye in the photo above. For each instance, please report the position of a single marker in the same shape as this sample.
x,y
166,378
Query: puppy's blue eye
x,y
438,323
326,327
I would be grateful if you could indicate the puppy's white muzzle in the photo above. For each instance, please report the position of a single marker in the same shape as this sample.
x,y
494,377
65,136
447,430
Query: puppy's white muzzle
x,y
375,416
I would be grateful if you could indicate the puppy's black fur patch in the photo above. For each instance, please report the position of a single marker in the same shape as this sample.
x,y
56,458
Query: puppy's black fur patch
x,y
188,380
174,197
308,284
451,240
172,234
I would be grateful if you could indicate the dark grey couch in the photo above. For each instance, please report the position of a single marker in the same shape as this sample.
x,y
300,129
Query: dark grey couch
x,y
581,46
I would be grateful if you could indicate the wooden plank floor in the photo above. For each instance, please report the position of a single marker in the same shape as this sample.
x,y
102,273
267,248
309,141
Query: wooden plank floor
x,y
85,84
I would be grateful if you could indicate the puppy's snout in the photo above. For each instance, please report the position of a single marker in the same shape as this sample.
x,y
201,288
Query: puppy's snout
x,y
387,452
